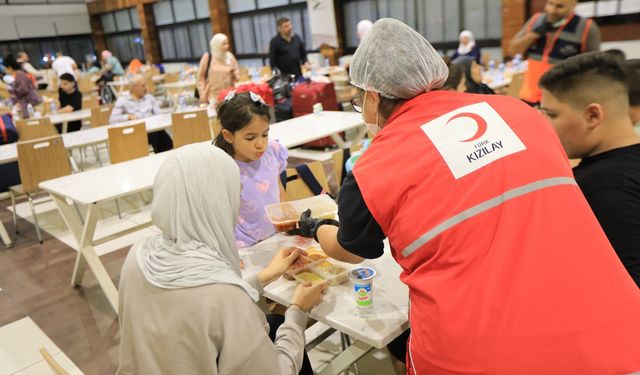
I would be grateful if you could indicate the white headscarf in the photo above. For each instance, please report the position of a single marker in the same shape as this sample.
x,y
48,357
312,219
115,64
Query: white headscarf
x,y
363,28
463,50
195,205
216,48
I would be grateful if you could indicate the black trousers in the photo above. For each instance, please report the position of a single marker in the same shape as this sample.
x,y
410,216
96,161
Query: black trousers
x,y
398,347
160,141
275,321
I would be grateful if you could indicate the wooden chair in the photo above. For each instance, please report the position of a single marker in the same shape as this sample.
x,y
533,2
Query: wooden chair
x,y
338,159
90,101
39,160
128,142
171,77
85,84
190,127
329,52
266,71
297,189
243,74
100,115
515,85
30,129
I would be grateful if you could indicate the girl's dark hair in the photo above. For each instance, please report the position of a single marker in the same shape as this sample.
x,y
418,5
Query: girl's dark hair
x,y
455,76
236,113
11,62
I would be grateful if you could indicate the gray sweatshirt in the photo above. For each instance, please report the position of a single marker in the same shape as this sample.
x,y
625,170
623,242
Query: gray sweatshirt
x,y
212,329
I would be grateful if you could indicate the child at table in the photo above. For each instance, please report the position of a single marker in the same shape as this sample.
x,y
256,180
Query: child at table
x,y
245,118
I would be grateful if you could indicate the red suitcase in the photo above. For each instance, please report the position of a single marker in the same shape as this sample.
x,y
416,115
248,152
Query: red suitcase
x,y
305,95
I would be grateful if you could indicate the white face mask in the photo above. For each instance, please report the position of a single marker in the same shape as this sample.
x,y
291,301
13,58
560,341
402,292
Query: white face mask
x,y
373,128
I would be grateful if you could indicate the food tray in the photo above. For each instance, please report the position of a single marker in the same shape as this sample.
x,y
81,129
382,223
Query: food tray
x,y
284,216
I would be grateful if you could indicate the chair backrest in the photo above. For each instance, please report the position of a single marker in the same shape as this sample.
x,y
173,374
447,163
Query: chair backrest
x,y
297,188
243,74
90,101
40,160
35,128
171,77
339,162
151,86
515,85
85,84
328,52
128,142
100,115
266,71
190,127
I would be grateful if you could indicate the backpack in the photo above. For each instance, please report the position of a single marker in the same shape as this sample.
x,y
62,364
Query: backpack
x,y
8,132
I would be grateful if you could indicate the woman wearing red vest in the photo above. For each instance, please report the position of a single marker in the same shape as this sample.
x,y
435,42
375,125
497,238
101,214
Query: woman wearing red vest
x,y
507,267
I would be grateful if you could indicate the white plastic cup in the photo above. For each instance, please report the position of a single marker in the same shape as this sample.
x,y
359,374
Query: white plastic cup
x,y
362,278
317,108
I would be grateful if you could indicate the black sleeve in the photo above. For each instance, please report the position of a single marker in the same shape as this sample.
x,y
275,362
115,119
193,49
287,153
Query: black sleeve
x,y
359,233
272,54
303,51
76,100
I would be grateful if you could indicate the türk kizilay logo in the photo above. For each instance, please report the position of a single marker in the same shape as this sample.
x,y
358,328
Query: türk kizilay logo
x,y
472,137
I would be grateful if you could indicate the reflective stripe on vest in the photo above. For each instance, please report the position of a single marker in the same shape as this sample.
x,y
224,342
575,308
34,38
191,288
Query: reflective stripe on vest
x,y
485,206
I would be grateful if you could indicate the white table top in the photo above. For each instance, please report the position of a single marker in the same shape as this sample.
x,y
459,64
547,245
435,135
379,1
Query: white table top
x,y
107,183
125,178
177,85
58,118
118,83
377,326
82,138
300,130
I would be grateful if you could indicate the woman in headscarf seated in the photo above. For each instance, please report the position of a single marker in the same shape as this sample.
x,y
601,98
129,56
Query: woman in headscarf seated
x,y
473,75
467,47
184,306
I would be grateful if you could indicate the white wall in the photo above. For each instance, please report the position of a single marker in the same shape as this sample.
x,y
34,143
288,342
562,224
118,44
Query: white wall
x,y
630,47
32,21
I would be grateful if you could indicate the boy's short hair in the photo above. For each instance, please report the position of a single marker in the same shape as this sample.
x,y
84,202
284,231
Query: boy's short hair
x,y
586,78
632,69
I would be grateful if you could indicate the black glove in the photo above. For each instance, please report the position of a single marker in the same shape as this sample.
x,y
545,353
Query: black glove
x,y
308,226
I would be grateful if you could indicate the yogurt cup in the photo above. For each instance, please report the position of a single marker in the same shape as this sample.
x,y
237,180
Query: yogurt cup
x,y
362,278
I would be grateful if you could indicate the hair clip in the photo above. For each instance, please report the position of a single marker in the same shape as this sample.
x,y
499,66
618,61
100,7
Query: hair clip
x,y
256,98
229,96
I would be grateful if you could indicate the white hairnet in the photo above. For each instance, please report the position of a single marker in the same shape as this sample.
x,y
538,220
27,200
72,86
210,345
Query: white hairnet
x,y
397,62
363,28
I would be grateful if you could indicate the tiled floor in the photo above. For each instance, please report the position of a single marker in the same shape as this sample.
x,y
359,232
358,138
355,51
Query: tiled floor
x,y
35,283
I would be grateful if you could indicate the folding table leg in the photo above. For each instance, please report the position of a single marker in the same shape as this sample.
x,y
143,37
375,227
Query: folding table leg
x,y
5,236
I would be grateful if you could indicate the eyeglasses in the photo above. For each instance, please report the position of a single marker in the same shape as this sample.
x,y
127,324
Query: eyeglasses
x,y
355,103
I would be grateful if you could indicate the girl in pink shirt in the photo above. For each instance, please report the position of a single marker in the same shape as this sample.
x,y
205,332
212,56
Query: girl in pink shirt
x,y
245,120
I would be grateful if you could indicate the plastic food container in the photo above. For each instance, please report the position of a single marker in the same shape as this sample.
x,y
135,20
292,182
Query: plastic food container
x,y
314,266
284,216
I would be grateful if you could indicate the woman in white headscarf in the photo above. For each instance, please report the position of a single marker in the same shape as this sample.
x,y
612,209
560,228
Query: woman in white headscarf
x,y
218,69
184,307
363,29
467,47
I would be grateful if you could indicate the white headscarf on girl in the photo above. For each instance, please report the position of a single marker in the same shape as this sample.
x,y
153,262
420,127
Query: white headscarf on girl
x,y
465,49
216,48
195,205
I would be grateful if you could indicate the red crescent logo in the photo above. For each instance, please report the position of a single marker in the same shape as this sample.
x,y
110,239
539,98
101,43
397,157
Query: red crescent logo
x,y
482,124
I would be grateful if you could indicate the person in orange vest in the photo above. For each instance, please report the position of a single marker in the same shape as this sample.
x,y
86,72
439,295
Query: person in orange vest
x,y
550,37
508,269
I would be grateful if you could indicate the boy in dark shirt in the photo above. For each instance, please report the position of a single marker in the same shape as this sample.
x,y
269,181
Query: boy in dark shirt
x,y
586,99
70,100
